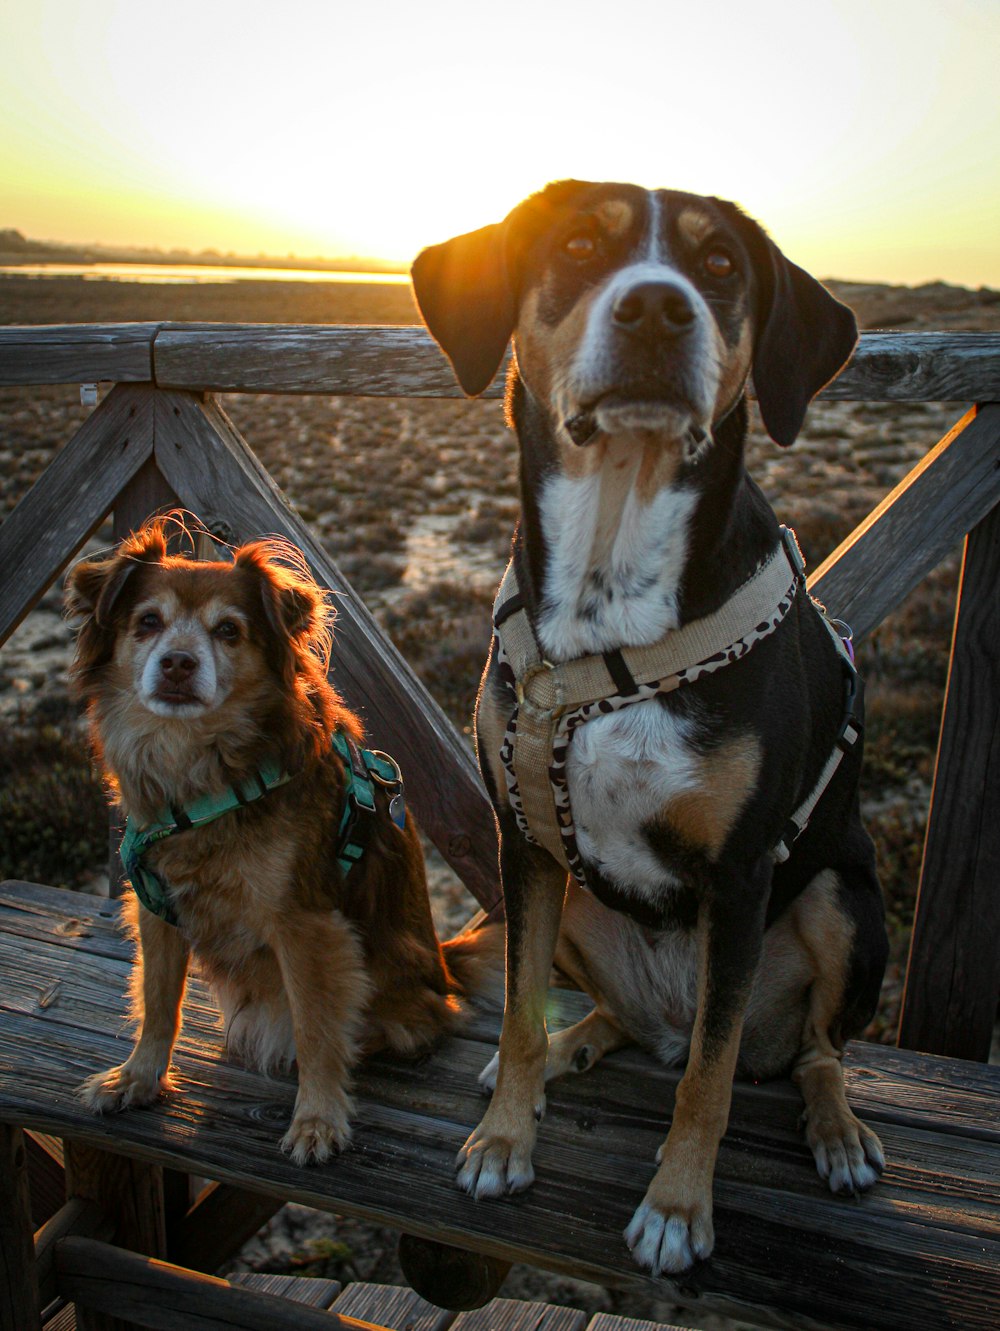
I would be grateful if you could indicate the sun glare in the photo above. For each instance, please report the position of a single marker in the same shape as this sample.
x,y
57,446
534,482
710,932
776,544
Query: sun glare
x,y
375,131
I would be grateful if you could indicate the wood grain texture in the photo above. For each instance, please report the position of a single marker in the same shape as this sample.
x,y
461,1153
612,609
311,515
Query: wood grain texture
x,y
514,1315
953,976
71,499
76,353
375,361
314,1292
405,362
209,465
168,1298
19,1306
923,1249
951,489
391,1306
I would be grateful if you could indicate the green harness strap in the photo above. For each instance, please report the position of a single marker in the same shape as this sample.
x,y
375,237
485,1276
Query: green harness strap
x,y
363,768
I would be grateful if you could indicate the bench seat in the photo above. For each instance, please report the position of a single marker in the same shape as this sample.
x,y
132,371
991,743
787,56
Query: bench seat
x,y
921,1250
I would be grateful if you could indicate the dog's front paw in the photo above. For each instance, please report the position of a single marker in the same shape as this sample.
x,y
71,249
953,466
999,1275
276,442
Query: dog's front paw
x,y
848,1155
313,1137
130,1084
492,1163
670,1239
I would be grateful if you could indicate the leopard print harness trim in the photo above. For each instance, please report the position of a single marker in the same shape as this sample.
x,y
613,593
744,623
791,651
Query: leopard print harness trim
x,y
553,701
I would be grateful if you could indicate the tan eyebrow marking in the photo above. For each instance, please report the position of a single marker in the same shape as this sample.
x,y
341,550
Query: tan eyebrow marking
x,y
694,226
616,216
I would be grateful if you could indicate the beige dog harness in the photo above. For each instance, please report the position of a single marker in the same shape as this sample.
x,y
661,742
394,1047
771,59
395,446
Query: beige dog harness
x,y
553,699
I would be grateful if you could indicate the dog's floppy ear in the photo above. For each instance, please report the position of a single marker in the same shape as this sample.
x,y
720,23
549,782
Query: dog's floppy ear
x,y
804,336
94,585
467,301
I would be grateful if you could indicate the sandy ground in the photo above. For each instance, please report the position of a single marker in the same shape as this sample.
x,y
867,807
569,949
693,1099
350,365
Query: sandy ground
x,y
416,500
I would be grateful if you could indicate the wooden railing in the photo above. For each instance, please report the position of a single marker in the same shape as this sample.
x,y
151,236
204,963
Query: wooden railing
x,y
160,439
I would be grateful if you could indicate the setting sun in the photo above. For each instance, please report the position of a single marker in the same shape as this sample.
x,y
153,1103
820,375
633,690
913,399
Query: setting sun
x,y
861,134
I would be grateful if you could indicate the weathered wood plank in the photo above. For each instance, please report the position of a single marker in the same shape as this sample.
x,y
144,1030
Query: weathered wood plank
x,y
47,1176
919,1248
19,1307
71,499
951,489
76,353
405,362
309,1290
391,1306
514,1315
209,465
953,976
607,1322
159,1295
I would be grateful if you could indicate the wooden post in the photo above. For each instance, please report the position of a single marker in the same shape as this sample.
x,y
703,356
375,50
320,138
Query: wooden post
x,y
953,976
19,1309
130,1193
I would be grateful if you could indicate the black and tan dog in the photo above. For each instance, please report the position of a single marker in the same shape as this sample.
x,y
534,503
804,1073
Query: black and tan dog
x,y
704,925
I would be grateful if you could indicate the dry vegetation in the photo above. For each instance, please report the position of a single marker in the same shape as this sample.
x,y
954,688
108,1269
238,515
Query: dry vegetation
x,y
416,501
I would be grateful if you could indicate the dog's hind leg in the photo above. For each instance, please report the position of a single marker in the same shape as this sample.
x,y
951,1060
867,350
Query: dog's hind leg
x,y
848,1154
157,991
497,1157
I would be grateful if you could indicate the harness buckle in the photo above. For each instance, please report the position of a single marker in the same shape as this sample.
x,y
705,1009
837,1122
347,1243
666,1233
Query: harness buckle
x,y
388,781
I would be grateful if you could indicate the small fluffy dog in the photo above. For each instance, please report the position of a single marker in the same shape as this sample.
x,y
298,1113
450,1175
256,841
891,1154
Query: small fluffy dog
x,y
209,680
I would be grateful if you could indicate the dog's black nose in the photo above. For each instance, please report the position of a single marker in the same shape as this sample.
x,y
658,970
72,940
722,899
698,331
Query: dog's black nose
x,y
178,667
659,307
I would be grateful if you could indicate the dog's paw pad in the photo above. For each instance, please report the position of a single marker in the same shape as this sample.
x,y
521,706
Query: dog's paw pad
x,y
491,1166
668,1243
313,1139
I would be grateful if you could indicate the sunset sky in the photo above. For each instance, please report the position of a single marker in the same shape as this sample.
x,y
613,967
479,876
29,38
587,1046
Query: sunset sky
x,y
865,134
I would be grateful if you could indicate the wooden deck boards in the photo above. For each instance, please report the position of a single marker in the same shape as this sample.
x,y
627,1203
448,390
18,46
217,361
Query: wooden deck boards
x,y
922,1249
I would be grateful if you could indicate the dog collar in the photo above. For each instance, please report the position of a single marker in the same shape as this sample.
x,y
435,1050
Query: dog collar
x,y
363,768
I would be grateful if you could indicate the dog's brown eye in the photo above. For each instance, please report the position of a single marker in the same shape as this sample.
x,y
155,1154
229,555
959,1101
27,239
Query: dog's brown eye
x,y
150,622
718,263
580,246
228,631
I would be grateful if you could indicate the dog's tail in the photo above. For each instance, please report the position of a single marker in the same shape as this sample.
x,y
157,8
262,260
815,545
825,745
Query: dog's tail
x,y
475,960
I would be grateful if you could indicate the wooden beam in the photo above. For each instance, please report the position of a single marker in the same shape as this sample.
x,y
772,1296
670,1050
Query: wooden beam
x,y
951,489
19,1309
74,1217
158,1295
46,1175
76,353
953,976
406,362
210,466
219,1223
129,1193
70,500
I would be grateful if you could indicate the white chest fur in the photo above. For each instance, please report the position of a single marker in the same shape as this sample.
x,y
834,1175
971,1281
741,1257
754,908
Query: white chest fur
x,y
623,769
614,564
614,558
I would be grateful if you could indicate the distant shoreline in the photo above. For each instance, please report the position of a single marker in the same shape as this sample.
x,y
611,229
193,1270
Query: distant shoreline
x,y
172,274
17,250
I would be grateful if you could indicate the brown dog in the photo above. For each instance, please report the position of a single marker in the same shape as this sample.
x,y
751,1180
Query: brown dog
x,y
206,683
665,713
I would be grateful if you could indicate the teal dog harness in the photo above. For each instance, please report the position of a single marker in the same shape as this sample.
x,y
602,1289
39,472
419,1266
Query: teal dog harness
x,y
363,770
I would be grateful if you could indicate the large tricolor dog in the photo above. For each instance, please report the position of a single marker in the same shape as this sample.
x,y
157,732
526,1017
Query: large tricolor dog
x,y
667,723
